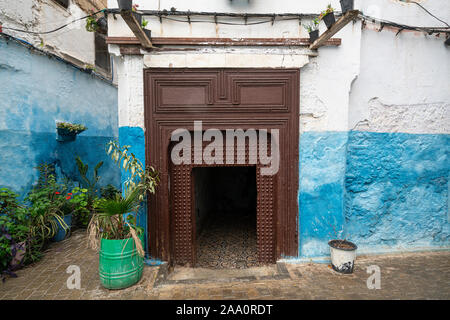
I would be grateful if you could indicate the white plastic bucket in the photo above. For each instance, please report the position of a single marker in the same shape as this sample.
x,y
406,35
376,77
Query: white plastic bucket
x,y
342,259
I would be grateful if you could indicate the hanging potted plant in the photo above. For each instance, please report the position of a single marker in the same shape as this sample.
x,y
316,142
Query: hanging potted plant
x,y
346,5
144,23
125,4
313,29
68,131
121,255
328,16
91,22
343,255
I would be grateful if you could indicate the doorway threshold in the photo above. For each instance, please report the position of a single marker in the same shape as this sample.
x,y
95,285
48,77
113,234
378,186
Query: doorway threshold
x,y
189,275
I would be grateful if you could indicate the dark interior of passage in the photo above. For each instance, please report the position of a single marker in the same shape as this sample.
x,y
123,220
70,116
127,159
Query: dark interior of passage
x,y
225,216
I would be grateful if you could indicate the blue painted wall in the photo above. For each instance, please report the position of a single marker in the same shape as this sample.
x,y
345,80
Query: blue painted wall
x,y
321,190
397,190
35,92
135,138
384,191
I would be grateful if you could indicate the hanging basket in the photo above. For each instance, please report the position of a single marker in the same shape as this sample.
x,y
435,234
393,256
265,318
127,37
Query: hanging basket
x,y
346,5
125,4
65,135
329,20
313,35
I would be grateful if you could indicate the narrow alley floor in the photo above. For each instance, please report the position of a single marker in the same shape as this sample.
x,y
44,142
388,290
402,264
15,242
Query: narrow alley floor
x,y
403,276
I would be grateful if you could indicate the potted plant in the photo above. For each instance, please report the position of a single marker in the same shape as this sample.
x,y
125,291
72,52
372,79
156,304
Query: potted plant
x,y
66,209
346,5
121,241
119,238
343,255
313,29
91,22
125,4
328,16
68,131
61,227
46,209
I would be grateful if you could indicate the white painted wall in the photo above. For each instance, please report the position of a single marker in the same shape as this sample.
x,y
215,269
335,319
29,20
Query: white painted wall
x,y
374,81
43,15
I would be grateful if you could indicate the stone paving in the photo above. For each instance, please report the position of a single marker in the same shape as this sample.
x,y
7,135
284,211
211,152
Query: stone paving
x,y
403,276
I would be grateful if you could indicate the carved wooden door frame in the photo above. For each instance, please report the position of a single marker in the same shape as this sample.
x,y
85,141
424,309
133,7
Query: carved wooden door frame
x,y
224,99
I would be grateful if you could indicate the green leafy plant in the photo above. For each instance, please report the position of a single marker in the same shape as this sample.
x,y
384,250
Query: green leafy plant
x,y
14,231
109,192
13,215
46,171
89,67
71,127
80,204
92,22
108,221
145,179
46,210
313,25
83,168
328,10
87,198
144,23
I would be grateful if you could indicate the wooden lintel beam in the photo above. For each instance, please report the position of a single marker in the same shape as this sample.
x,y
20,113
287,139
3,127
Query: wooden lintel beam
x,y
222,41
338,25
135,26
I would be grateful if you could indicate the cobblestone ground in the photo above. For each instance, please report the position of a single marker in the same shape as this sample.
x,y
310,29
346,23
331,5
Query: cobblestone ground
x,y
403,276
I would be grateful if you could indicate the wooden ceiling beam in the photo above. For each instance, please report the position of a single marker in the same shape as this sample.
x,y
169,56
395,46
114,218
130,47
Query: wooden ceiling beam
x,y
135,26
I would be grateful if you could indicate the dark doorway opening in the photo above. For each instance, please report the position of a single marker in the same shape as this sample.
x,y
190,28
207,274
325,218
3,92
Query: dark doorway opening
x,y
225,217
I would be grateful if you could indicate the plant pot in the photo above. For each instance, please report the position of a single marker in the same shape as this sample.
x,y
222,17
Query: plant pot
x,y
138,17
65,135
148,33
313,35
62,233
346,5
120,265
102,25
125,4
329,20
343,255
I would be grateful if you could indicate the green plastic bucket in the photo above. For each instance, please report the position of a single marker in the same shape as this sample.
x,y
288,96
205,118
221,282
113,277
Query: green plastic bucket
x,y
119,266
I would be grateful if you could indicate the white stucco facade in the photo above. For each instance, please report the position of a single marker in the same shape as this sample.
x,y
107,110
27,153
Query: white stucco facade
x,y
374,113
357,85
73,42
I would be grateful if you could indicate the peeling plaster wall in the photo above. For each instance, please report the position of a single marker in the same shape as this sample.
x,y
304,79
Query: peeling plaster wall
x,y
38,91
374,117
72,42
